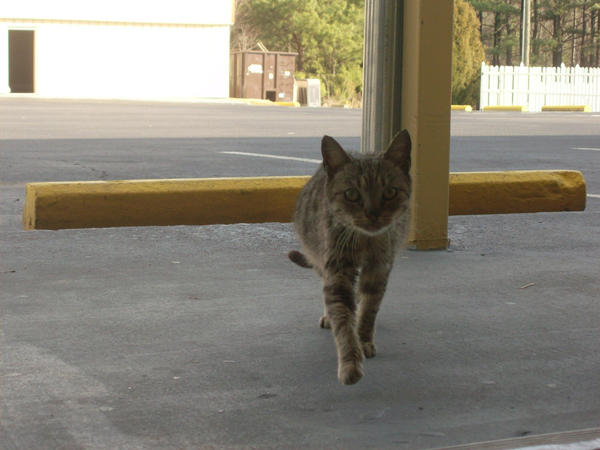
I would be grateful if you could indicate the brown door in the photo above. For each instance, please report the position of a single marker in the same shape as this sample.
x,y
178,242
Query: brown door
x,y
253,75
21,60
285,78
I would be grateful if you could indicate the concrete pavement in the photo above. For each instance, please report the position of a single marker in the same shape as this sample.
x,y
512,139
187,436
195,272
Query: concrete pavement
x,y
183,337
207,337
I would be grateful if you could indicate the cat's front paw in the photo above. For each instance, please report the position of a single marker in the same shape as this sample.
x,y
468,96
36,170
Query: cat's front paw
x,y
369,349
324,322
350,373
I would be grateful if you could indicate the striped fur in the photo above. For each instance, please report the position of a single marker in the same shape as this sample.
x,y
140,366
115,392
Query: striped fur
x,y
350,218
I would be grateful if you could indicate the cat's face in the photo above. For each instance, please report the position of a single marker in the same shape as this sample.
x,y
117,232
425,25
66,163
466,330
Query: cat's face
x,y
367,193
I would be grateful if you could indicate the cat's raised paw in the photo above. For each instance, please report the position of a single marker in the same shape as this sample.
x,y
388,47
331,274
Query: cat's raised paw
x,y
350,373
324,322
369,349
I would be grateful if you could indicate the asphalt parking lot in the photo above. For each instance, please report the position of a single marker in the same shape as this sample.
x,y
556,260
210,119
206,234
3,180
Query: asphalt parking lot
x,y
191,337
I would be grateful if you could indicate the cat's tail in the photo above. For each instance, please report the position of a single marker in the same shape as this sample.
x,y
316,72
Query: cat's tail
x,y
298,258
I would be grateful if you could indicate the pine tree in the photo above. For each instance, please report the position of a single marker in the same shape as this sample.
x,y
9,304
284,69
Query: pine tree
x,y
499,29
562,31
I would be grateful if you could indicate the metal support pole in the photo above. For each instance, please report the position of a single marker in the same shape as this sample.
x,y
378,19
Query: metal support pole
x,y
407,71
382,73
526,26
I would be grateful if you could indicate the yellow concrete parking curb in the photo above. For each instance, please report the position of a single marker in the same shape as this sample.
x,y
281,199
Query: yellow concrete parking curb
x,y
570,108
518,108
467,108
92,204
205,201
524,191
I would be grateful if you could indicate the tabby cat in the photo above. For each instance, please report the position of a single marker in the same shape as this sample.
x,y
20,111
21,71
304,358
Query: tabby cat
x,y
350,217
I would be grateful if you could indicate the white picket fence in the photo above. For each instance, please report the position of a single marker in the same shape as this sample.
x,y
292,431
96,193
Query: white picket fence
x,y
535,87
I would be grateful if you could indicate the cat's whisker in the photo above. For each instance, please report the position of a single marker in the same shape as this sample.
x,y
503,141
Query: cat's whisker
x,y
355,238
344,239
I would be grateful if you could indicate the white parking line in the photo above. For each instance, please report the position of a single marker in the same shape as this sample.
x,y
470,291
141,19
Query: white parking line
x,y
587,148
593,195
584,445
262,155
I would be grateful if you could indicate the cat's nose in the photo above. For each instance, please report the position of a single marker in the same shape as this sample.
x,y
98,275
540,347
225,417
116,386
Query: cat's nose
x,y
373,214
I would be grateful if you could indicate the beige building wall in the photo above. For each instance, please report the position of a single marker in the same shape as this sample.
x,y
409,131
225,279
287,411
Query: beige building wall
x,y
126,49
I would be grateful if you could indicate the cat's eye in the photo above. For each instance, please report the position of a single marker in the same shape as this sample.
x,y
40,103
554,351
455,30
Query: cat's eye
x,y
352,195
390,193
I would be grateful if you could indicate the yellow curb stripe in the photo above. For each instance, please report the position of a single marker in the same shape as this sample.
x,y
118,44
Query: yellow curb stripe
x,y
292,104
519,108
574,108
92,204
467,108
263,102
256,102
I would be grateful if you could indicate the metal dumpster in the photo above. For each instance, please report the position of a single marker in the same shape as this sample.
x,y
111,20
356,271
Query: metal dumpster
x,y
263,75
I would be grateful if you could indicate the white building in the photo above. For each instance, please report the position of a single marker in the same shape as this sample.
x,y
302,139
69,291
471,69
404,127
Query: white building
x,y
115,48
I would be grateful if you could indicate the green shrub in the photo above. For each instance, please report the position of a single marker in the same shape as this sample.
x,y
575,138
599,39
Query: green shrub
x,y
467,55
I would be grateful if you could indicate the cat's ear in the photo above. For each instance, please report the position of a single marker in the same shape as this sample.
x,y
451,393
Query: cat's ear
x,y
334,156
399,151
